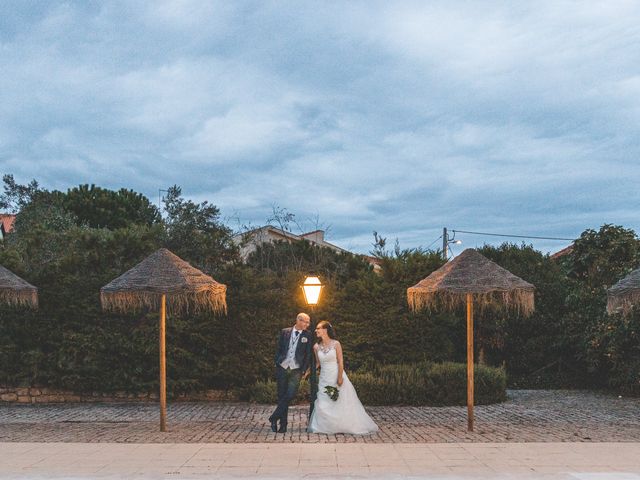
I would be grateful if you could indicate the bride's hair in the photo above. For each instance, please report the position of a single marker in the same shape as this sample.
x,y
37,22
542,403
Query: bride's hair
x,y
328,327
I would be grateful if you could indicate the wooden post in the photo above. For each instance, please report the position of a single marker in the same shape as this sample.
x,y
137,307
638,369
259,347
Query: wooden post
x,y
163,365
469,362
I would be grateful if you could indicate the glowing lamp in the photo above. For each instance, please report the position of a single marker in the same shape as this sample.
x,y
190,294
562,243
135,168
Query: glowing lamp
x,y
312,288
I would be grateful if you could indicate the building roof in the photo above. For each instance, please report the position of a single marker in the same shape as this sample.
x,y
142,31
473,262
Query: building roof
x,y
372,260
266,228
312,233
309,237
6,222
561,253
291,236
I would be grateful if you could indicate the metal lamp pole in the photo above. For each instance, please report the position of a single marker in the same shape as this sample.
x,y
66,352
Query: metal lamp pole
x,y
312,288
313,377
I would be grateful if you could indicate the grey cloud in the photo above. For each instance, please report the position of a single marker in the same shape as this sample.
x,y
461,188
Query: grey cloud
x,y
401,118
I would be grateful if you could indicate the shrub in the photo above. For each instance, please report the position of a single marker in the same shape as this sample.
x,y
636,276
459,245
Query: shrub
x,y
266,391
429,384
613,350
422,383
70,244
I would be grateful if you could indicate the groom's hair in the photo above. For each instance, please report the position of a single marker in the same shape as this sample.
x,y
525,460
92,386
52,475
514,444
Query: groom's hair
x,y
329,328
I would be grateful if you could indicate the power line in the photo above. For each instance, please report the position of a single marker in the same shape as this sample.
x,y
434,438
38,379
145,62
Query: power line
x,y
452,254
434,242
512,236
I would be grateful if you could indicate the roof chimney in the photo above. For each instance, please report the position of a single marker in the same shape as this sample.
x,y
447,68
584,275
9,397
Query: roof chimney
x,y
317,236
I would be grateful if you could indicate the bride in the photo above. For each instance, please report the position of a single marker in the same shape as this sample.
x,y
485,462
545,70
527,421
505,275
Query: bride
x,y
345,414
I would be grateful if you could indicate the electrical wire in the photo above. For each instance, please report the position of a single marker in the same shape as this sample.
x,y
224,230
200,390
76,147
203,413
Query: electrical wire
x,y
451,253
513,236
433,242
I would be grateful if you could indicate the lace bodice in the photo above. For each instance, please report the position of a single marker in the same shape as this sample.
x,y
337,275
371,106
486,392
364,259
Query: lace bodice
x,y
328,354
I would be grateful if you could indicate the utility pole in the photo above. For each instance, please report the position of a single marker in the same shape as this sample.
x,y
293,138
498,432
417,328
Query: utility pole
x,y
446,241
445,244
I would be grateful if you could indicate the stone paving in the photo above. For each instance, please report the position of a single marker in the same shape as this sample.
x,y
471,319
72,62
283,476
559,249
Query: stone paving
x,y
326,461
527,416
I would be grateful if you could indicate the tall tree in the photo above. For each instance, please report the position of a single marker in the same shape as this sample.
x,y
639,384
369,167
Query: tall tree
x,y
600,258
15,195
194,232
98,207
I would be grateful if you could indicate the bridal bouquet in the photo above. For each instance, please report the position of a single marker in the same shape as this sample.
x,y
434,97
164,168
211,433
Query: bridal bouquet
x,y
333,392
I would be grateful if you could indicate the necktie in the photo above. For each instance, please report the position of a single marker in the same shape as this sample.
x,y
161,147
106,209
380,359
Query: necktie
x,y
297,333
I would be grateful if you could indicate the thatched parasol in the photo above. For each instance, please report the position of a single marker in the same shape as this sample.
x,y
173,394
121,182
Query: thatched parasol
x,y
147,285
467,278
624,294
16,291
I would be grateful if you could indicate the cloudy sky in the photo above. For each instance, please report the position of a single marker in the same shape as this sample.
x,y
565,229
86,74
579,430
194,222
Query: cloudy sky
x,y
399,117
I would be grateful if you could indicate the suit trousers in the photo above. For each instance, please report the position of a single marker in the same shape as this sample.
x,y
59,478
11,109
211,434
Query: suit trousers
x,y
288,384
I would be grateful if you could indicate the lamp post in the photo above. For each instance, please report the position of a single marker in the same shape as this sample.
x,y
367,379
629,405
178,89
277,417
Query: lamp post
x,y
312,288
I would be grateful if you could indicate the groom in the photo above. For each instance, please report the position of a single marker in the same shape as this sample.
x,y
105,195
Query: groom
x,y
293,356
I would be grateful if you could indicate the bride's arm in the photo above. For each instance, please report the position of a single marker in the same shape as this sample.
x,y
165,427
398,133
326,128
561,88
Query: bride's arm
x,y
315,353
340,363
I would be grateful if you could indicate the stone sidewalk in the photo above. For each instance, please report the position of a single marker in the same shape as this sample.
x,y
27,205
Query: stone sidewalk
x,y
565,461
528,416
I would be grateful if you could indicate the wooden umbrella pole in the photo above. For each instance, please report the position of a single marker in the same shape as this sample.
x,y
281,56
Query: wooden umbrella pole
x,y
469,362
163,365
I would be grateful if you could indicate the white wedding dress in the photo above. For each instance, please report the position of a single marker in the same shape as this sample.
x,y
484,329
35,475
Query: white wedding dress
x,y
344,415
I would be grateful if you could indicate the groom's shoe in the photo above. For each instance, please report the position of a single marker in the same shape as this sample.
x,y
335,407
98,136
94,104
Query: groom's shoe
x,y
283,428
274,424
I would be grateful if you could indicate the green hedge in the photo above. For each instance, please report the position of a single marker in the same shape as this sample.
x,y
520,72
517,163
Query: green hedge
x,y
71,244
266,391
424,383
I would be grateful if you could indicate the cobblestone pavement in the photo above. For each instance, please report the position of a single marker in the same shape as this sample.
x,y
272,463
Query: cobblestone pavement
x,y
527,416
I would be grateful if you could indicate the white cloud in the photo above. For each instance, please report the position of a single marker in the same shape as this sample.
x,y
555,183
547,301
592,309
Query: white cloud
x,y
244,129
399,117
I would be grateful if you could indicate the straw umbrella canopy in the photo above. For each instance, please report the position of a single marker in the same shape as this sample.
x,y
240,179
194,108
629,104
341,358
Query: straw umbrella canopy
x,y
16,291
148,284
624,294
164,273
467,279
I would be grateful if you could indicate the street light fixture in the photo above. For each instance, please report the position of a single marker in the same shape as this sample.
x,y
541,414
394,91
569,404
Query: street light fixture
x,y
312,288
446,241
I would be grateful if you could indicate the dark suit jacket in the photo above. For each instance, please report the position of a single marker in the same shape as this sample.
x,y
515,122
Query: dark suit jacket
x,y
303,348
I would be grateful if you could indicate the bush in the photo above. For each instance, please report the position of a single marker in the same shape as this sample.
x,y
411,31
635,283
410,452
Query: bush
x,y
71,244
266,391
423,383
429,384
613,350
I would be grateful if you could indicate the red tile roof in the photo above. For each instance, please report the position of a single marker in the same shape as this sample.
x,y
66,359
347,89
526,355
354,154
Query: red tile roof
x,y
7,219
372,260
563,252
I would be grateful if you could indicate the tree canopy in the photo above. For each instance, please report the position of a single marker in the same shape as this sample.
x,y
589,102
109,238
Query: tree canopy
x,y
70,244
98,207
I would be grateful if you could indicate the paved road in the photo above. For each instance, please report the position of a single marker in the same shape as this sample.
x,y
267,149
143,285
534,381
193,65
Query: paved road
x,y
528,416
